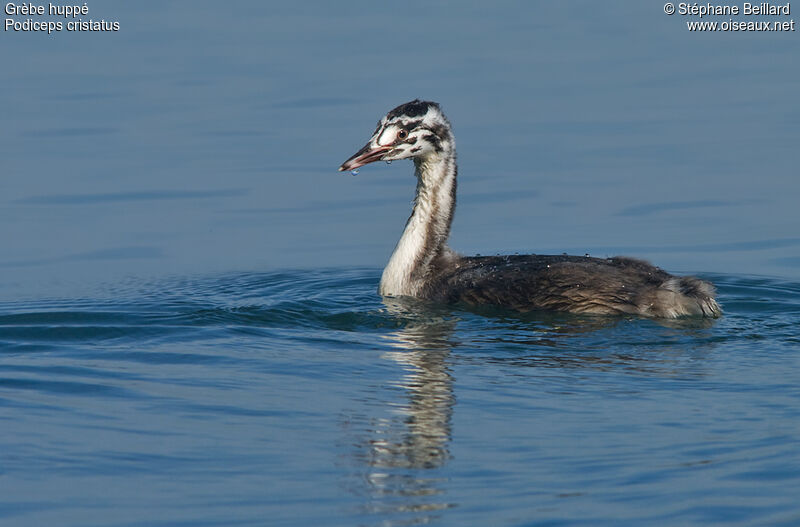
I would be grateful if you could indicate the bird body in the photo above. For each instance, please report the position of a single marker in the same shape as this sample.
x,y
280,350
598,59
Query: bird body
x,y
423,266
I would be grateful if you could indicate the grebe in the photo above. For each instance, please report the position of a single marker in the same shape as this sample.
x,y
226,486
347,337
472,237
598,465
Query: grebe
x,y
423,266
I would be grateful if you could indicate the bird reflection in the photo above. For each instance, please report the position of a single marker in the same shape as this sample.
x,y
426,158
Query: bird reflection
x,y
407,446
402,454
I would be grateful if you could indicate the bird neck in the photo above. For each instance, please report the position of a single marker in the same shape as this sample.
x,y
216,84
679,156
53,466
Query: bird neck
x,y
423,244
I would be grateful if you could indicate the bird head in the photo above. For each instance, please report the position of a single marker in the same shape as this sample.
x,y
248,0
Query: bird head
x,y
414,130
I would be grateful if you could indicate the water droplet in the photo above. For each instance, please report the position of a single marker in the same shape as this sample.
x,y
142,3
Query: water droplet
x,y
388,161
354,171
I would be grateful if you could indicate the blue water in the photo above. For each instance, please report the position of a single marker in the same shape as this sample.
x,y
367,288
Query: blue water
x,y
189,327
300,398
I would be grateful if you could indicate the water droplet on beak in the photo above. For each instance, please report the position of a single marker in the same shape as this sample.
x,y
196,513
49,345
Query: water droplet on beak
x,y
388,161
354,171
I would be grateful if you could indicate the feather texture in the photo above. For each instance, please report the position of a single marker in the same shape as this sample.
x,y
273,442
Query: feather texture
x,y
423,266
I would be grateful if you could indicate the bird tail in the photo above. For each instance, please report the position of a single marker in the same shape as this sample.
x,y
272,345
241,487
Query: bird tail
x,y
688,296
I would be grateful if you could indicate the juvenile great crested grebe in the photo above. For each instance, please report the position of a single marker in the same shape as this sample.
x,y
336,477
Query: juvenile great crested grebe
x,y
423,266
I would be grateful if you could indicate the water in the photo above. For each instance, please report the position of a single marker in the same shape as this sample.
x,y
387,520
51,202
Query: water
x,y
300,397
189,328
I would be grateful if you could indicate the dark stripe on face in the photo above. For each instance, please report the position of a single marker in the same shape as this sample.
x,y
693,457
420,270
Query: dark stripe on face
x,y
438,134
435,142
409,125
439,129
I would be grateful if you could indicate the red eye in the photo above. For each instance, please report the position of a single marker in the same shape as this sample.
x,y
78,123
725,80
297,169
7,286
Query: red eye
x,y
402,134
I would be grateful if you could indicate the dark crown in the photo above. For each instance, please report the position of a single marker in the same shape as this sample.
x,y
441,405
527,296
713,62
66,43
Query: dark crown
x,y
414,108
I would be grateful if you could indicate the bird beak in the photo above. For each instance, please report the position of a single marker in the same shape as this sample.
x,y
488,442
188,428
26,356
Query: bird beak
x,y
368,154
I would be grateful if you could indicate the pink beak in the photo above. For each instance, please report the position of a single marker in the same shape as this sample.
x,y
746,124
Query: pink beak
x,y
364,156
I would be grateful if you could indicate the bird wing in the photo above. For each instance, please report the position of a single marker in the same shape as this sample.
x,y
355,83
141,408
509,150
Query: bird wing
x,y
554,282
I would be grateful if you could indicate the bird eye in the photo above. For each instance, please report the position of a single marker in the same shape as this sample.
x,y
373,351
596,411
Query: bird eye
x,y
402,134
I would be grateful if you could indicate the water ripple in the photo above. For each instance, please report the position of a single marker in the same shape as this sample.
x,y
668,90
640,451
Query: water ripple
x,y
261,382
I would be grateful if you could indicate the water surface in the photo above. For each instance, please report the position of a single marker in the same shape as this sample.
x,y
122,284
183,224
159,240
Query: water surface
x,y
297,398
189,328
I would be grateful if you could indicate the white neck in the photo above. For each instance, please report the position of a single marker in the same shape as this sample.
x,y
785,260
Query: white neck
x,y
424,239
